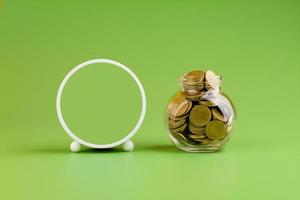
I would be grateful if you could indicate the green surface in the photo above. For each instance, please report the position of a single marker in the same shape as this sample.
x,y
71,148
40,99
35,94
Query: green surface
x,y
101,103
254,45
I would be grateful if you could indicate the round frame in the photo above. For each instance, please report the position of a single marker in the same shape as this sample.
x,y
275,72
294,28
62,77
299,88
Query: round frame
x,y
73,135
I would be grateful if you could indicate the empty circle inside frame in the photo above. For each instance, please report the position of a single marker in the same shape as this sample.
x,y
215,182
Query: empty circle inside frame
x,y
101,103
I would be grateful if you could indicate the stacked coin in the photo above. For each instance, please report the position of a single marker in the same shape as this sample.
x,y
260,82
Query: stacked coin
x,y
195,83
198,115
178,110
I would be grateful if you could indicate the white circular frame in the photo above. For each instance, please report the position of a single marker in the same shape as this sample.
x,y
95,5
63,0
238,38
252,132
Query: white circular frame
x,y
73,135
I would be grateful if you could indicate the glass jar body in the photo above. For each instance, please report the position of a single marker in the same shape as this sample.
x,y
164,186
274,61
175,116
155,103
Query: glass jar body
x,y
200,123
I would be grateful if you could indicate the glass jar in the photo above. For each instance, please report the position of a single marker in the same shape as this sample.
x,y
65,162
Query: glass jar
x,y
200,117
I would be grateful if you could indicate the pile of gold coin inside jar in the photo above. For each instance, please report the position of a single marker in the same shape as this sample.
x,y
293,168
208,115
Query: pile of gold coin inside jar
x,y
200,116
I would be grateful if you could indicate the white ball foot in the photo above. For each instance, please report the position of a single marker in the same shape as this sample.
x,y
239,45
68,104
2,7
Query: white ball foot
x,y
128,145
75,146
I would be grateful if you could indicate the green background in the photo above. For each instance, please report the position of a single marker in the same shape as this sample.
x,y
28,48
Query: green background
x,y
254,45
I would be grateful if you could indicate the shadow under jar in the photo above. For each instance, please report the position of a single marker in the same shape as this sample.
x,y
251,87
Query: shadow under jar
x,y
200,116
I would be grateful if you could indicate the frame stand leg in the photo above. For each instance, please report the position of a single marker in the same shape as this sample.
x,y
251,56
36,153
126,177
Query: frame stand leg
x,y
128,145
75,146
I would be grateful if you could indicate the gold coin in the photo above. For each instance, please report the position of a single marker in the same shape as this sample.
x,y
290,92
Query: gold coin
x,y
216,130
196,75
191,92
178,98
200,115
203,140
193,86
179,129
183,108
212,80
178,118
179,105
217,114
180,137
199,129
207,103
206,141
197,136
196,130
195,97
193,83
176,124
